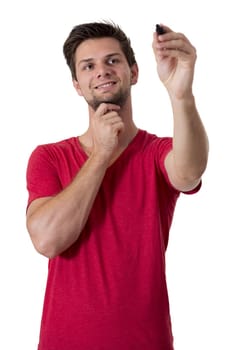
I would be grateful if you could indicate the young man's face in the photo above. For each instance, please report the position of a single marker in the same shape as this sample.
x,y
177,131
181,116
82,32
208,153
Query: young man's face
x,y
103,73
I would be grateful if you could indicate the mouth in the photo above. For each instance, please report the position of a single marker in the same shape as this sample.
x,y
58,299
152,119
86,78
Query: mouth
x,y
105,85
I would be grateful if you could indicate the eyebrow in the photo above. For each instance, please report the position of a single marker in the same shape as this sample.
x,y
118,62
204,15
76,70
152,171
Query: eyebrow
x,y
86,60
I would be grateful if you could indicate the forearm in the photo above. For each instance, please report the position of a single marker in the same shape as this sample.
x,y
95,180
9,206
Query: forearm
x,y
57,223
190,142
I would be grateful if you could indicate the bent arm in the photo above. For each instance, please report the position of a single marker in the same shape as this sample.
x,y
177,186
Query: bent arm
x,y
176,58
55,223
187,161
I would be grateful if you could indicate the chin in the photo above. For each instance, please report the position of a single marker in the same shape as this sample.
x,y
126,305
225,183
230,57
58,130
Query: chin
x,y
118,99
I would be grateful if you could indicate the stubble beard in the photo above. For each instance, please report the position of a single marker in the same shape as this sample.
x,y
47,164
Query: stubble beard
x,y
118,99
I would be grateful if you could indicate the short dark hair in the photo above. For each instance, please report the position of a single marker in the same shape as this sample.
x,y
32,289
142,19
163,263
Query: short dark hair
x,y
94,30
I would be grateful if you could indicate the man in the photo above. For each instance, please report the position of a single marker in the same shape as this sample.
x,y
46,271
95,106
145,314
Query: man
x,y
101,205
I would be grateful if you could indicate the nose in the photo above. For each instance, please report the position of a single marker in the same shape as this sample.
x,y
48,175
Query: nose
x,y
102,71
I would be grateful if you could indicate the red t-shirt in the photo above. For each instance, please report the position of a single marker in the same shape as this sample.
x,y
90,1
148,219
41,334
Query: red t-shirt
x,y
108,290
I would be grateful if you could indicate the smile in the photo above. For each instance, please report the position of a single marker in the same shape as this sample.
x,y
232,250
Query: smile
x,y
105,85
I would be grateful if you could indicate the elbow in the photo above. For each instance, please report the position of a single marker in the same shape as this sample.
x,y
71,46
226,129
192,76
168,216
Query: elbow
x,y
195,174
185,174
42,244
188,179
199,170
45,249
192,171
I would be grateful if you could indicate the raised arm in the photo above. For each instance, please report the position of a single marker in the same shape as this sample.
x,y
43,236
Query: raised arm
x,y
176,59
55,223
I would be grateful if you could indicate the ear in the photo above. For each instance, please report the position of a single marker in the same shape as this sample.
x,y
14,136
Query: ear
x,y
134,74
77,87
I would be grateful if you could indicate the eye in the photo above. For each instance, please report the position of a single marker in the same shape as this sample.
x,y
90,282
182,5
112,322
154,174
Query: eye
x,y
113,60
87,66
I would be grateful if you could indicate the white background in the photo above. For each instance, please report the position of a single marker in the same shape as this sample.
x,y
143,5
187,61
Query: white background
x,y
38,104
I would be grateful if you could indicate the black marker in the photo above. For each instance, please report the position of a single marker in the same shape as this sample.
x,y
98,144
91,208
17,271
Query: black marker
x,y
159,29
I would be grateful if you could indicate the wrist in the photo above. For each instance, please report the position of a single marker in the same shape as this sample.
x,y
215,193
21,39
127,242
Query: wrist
x,y
186,101
100,159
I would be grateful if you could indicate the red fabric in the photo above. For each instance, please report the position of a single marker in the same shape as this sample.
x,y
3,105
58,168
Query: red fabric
x,y
108,291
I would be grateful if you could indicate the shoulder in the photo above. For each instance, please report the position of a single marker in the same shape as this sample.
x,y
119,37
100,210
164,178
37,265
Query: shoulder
x,y
61,144
159,145
53,148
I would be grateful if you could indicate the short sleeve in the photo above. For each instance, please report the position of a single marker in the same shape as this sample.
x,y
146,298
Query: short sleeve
x,y
41,176
164,147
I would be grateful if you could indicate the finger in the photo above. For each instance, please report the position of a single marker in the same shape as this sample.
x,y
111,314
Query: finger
x,y
157,36
106,107
177,54
176,44
115,124
118,127
174,36
110,116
